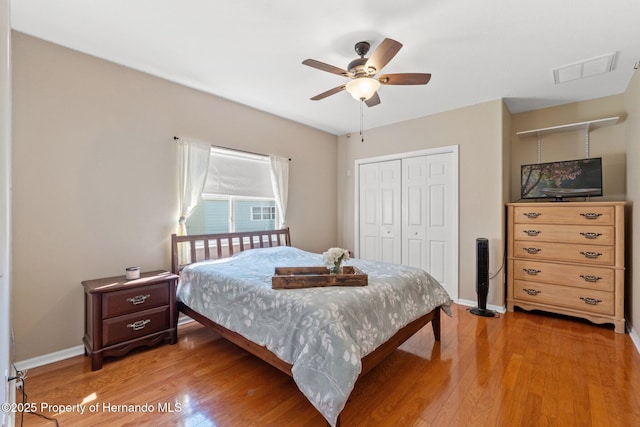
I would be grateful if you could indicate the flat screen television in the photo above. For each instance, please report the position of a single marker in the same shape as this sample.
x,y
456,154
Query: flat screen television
x,y
559,180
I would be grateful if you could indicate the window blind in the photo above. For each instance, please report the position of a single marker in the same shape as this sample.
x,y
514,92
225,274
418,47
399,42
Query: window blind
x,y
238,174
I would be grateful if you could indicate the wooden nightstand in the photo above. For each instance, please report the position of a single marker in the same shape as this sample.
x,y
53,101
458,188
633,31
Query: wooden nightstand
x,y
121,314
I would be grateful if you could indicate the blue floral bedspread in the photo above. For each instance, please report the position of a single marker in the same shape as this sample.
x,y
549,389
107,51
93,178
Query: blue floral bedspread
x,y
322,332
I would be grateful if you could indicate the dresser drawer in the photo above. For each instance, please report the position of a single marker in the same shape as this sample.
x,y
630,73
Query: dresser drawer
x,y
134,300
587,254
586,300
583,276
589,234
130,326
595,215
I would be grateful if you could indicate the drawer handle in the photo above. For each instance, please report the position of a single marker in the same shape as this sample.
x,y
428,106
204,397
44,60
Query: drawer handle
x,y
591,255
532,215
591,235
531,271
530,291
589,278
532,251
590,301
138,299
591,215
532,233
138,325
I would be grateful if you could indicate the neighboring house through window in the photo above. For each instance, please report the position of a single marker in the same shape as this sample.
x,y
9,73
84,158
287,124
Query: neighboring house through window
x,y
238,195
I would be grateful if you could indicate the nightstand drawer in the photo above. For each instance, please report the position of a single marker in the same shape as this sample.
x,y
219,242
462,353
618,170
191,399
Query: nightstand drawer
x,y
583,276
563,296
134,300
589,234
124,328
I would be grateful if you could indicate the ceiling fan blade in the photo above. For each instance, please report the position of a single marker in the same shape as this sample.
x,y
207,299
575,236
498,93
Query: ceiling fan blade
x,y
383,54
329,93
405,79
326,67
373,101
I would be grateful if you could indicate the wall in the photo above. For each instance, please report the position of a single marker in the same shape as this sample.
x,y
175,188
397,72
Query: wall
x,y
606,142
632,105
94,175
5,205
478,131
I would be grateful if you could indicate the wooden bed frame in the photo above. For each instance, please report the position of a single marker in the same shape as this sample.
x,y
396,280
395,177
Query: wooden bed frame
x,y
199,248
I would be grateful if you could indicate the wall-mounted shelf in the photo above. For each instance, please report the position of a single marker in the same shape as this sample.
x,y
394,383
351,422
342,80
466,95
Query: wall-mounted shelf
x,y
583,126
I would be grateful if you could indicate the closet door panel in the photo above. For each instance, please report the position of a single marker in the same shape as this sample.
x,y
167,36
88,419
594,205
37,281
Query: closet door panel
x,y
437,260
368,217
390,250
380,223
414,211
415,205
440,227
415,252
437,203
427,222
390,208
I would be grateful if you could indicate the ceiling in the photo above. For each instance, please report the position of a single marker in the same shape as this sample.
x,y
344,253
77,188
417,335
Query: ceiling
x,y
251,51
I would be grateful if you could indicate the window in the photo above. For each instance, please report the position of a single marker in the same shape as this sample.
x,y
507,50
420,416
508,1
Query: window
x,y
262,213
237,195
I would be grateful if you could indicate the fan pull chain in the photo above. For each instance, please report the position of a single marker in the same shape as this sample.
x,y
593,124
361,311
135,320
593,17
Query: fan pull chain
x,y
361,121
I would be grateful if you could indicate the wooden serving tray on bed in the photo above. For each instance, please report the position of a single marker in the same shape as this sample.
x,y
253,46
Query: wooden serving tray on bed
x,y
311,277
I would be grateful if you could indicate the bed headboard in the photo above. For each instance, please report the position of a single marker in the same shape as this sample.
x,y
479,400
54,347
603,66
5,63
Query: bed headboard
x,y
201,247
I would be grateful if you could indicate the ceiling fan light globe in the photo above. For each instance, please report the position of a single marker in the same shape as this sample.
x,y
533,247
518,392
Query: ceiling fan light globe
x,y
363,88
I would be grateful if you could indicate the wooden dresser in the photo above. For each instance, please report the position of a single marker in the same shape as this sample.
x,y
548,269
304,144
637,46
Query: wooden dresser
x,y
121,314
567,258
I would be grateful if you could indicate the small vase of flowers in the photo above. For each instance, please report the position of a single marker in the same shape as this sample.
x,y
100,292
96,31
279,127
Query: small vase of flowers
x,y
334,258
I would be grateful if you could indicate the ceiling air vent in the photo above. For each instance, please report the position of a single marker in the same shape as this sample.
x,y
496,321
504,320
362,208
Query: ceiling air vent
x,y
586,68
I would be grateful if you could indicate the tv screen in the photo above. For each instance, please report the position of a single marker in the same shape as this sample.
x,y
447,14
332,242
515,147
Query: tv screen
x,y
558,180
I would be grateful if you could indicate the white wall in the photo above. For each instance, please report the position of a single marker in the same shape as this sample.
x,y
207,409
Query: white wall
x,y
5,202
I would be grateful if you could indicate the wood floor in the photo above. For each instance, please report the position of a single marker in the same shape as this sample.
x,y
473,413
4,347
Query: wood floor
x,y
521,369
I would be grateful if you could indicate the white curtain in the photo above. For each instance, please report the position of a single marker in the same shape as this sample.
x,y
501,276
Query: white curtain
x,y
279,167
192,170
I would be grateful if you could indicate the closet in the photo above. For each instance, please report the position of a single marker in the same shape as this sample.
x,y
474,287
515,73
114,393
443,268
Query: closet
x,y
407,212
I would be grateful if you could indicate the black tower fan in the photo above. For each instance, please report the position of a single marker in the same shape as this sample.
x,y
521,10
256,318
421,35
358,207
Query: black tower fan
x,y
482,278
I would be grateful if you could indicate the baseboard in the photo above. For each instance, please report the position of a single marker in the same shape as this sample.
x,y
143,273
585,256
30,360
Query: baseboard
x,y
67,353
470,303
634,337
50,358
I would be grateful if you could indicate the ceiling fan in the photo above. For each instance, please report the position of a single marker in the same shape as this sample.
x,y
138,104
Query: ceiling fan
x,y
363,86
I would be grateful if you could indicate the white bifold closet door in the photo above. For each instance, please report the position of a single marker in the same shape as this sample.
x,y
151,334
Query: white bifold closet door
x,y
380,208
408,214
427,226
